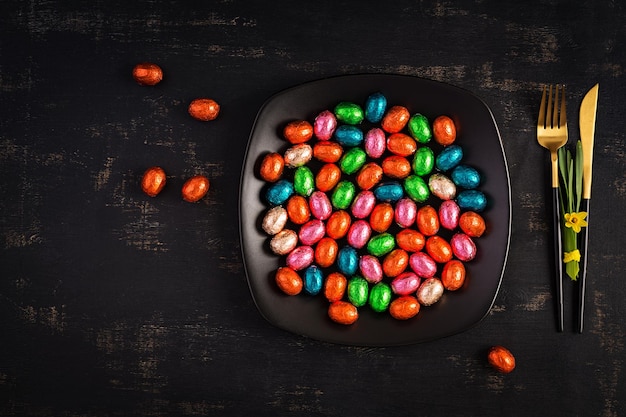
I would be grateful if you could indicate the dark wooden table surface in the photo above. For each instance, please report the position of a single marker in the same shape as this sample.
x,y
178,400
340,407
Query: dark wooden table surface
x,y
116,304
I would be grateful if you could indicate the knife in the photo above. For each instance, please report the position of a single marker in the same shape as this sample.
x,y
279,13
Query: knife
x,y
587,122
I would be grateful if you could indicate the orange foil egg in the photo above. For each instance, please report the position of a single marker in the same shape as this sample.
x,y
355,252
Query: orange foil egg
x,y
410,240
338,224
327,177
298,131
147,73
288,281
395,262
401,144
204,109
326,252
369,175
298,209
395,119
395,166
439,249
453,275
195,188
427,221
335,286
404,307
153,181
343,312
381,217
444,130
501,359
328,152
472,224
272,167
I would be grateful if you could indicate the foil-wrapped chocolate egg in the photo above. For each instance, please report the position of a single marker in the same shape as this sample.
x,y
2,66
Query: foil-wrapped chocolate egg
x,y
320,205
358,291
359,234
472,200
370,268
274,220
449,157
423,265
389,192
298,155
441,186
347,260
449,214
313,279
311,232
380,297
300,258
375,142
463,247
348,135
430,291
324,125
284,242
465,177
375,107
279,192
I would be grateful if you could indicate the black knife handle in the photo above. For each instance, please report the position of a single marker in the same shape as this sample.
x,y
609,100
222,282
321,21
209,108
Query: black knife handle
x,y
583,267
558,256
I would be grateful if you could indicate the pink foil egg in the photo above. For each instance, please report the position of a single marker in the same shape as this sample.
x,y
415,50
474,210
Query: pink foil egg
x,y
320,205
375,142
463,247
363,204
311,232
405,212
300,257
449,213
405,283
371,269
359,234
423,265
324,125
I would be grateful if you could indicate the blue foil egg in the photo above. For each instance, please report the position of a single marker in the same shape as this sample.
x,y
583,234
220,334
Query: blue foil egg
x,y
375,107
279,192
465,176
348,135
449,158
347,260
389,192
471,200
313,280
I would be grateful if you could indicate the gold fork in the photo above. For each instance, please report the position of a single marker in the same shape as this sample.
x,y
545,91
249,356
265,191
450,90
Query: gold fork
x,y
552,134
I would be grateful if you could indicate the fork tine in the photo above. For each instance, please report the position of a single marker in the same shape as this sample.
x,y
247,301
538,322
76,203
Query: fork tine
x,y
555,110
549,109
563,119
542,110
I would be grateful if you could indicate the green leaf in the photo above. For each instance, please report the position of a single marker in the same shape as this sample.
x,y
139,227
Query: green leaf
x,y
579,174
570,180
572,269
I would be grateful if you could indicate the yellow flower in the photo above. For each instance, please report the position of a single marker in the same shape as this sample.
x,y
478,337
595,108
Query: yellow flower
x,y
571,256
576,220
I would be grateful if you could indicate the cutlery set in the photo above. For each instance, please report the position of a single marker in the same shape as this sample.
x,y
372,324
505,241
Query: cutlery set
x,y
552,134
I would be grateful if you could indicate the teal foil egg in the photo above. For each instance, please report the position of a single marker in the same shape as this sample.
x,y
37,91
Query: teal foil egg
x,y
348,135
389,192
375,107
471,200
449,158
347,260
279,192
313,280
465,177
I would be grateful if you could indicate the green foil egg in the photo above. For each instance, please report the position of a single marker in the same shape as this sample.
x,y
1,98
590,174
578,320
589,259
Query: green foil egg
x,y
380,297
416,188
350,113
343,195
381,244
303,181
358,290
419,128
423,161
352,160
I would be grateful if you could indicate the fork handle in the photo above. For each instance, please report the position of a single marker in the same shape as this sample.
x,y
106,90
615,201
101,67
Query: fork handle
x,y
558,253
583,270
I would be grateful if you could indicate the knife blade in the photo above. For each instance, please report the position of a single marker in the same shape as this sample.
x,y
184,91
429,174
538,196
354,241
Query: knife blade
x,y
587,125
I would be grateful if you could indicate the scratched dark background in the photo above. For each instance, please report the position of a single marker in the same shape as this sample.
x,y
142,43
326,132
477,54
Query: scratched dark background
x,y
115,304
